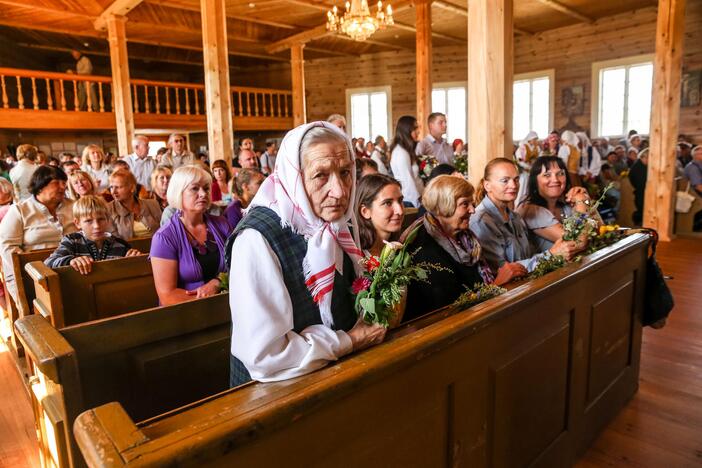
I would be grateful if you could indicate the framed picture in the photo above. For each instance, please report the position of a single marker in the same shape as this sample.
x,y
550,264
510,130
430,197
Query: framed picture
x,y
572,101
690,88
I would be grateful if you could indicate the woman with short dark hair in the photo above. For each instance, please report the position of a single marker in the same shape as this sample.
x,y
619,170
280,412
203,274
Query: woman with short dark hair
x,y
39,222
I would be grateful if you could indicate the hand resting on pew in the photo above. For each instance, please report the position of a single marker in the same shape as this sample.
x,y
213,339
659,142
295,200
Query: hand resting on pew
x,y
84,265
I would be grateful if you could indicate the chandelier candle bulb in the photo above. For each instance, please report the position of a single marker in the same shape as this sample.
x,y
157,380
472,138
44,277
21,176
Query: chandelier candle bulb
x,y
357,22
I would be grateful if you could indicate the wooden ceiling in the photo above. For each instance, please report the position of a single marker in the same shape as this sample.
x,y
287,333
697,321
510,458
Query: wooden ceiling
x,y
259,30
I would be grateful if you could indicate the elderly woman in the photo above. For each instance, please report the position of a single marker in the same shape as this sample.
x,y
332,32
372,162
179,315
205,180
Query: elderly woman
x,y
187,253
38,222
80,184
380,211
502,233
550,199
94,164
220,186
444,238
130,216
160,178
246,185
294,259
403,159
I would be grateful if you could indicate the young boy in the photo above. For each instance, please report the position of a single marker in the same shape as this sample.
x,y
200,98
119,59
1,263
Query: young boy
x,y
92,242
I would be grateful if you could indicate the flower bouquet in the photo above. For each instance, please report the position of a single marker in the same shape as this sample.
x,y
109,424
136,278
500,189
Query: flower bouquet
x,y
578,225
382,286
460,162
426,163
481,292
605,236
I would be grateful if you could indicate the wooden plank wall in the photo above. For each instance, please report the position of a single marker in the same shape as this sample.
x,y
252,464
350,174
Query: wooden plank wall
x,y
570,51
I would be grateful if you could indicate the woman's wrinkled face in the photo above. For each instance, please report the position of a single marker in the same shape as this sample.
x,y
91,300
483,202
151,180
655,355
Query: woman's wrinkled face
x,y
551,181
328,179
196,197
95,156
386,211
503,184
460,219
219,174
54,192
120,189
82,186
162,182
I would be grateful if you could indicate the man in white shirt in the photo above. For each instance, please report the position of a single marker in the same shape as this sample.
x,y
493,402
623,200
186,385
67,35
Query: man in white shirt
x,y
178,153
434,143
140,163
21,174
85,67
268,158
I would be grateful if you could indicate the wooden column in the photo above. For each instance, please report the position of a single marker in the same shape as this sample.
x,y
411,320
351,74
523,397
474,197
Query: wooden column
x,y
218,97
490,56
659,212
121,93
297,67
423,47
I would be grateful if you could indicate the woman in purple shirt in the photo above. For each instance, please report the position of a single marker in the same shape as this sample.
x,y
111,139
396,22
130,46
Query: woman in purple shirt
x,y
187,253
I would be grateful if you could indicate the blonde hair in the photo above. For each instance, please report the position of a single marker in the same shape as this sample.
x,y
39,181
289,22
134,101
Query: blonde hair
x,y
79,175
89,205
86,154
441,195
6,186
182,177
481,193
160,169
27,151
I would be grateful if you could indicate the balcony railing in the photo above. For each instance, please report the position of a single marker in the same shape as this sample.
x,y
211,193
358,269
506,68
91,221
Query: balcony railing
x,y
49,95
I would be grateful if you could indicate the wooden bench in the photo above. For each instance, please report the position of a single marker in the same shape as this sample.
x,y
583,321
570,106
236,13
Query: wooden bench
x,y
25,287
150,361
684,222
113,287
527,378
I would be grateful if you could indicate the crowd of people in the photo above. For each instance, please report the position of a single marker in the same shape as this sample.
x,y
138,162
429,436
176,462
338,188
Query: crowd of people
x,y
290,226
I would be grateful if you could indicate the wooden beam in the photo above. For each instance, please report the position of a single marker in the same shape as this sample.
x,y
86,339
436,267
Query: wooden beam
x,y
218,97
299,38
186,5
558,6
490,69
116,8
464,12
659,199
423,55
297,67
121,93
448,37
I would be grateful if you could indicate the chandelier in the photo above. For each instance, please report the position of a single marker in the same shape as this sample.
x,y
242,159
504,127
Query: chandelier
x,y
358,23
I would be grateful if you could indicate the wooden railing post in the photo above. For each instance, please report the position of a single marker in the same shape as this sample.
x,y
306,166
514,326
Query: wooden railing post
x,y
49,101
5,102
35,98
168,100
158,104
20,98
63,96
76,103
102,101
120,83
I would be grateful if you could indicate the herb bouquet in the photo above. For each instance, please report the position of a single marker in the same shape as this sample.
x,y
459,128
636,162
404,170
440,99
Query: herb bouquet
x,y
381,289
460,162
579,225
426,163
480,292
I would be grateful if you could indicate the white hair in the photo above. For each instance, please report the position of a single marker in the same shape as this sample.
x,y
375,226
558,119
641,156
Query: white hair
x,y
317,135
138,138
182,177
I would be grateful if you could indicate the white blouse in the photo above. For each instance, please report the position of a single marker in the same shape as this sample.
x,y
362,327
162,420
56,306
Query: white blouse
x,y
407,174
262,318
100,176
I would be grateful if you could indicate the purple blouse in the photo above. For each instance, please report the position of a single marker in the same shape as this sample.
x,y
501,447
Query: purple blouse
x,y
171,243
233,213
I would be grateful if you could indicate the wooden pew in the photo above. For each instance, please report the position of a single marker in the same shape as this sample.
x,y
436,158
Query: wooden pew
x,y
684,222
113,287
25,286
150,361
625,216
527,378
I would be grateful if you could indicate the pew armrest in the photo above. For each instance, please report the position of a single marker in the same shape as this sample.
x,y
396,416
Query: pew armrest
x,y
40,273
104,433
43,343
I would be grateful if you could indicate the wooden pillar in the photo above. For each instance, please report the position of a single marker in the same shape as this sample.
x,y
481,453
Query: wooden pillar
x,y
423,47
297,67
121,93
659,212
218,96
490,56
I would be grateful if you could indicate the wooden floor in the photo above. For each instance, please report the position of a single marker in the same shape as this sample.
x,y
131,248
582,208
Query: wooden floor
x,y
660,427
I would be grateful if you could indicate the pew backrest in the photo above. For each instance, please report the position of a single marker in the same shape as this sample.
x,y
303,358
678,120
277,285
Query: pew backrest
x,y
411,215
113,287
625,216
150,361
684,222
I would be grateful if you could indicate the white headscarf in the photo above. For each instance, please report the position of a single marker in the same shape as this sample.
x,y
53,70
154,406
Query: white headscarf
x,y
569,137
584,140
530,136
284,192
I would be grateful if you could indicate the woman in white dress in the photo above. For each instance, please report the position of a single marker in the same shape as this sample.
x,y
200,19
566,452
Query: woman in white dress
x,y
403,160
94,165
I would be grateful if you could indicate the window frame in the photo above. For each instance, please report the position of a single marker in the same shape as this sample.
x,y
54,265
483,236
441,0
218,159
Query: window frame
x,y
451,84
549,73
369,90
597,67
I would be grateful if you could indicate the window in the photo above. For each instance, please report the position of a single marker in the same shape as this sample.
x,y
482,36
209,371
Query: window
x,y
622,96
532,104
368,112
450,100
